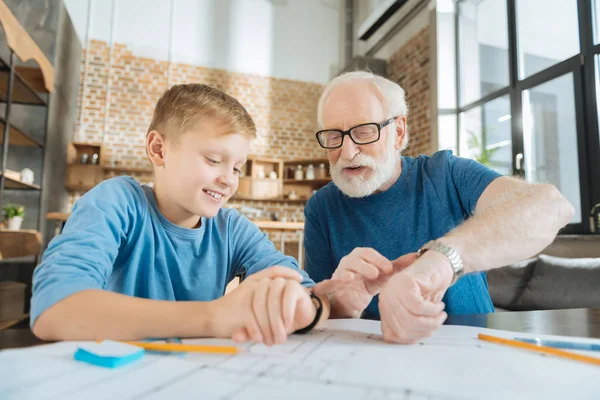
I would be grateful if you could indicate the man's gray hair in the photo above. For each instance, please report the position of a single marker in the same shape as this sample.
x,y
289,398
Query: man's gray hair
x,y
390,94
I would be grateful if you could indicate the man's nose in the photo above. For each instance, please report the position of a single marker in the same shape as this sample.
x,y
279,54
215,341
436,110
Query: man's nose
x,y
349,149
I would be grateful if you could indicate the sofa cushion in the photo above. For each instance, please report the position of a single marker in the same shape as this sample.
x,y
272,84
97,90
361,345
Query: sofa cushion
x,y
562,283
507,283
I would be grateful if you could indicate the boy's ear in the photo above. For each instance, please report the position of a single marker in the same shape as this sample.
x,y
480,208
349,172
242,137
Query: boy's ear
x,y
155,147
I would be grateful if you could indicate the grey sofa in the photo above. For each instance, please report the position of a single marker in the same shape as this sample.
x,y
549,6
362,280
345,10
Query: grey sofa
x,y
564,275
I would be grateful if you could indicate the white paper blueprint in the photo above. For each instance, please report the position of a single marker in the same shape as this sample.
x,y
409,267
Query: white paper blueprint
x,y
348,360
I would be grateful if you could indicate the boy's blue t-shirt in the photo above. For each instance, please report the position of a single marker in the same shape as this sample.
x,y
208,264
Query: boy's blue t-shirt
x,y
116,239
432,196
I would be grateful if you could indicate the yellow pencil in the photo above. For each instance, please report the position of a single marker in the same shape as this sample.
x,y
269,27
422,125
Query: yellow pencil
x,y
185,348
540,349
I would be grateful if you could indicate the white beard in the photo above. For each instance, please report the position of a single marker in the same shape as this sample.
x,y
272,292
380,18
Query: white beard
x,y
381,171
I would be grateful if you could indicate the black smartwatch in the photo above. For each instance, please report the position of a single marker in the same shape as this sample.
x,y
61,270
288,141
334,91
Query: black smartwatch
x,y
317,316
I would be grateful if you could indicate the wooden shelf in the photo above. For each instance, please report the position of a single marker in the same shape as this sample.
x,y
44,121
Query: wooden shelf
x,y
129,169
308,181
278,225
313,161
58,216
10,183
8,324
259,179
17,137
23,93
21,243
270,199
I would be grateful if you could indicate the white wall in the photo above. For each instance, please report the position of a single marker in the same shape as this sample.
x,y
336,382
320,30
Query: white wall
x,y
292,39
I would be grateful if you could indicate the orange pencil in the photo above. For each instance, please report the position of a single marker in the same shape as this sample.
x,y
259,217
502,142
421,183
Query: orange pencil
x,y
540,349
185,348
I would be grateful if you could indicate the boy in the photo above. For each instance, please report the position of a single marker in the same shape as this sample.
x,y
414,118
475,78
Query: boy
x,y
135,262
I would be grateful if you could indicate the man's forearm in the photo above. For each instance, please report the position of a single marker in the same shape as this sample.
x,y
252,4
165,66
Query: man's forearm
x,y
517,225
97,314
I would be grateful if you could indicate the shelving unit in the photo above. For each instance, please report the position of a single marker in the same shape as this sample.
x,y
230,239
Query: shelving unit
x,y
256,184
133,170
308,181
304,187
82,176
24,86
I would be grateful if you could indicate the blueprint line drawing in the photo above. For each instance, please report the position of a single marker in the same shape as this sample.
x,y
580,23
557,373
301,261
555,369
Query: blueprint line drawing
x,y
346,360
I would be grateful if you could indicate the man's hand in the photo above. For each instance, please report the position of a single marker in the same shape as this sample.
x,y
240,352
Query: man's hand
x,y
359,276
410,305
266,307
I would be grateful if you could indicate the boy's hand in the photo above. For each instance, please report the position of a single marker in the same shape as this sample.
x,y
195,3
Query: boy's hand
x,y
280,307
266,307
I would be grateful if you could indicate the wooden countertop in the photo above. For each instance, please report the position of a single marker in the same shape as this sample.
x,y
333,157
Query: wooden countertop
x,y
272,225
278,225
57,216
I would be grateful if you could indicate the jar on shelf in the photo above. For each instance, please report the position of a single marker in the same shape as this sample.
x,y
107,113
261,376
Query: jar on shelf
x,y
322,171
310,172
299,175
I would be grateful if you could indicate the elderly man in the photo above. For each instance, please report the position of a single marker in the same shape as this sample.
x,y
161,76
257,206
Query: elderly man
x,y
410,228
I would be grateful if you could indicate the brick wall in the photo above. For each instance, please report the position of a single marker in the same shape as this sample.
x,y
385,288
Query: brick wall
x,y
284,112
409,67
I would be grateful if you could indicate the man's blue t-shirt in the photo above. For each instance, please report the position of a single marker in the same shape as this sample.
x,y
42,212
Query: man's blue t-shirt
x,y
432,196
117,239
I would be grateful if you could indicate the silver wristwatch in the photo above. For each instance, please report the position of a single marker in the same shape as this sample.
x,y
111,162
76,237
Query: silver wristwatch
x,y
450,253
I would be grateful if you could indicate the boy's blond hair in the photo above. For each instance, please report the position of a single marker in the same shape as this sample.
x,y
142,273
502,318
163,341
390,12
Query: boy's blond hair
x,y
183,106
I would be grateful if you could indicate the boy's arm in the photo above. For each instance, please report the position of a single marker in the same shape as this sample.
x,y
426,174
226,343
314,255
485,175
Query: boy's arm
x,y
97,314
69,300
81,258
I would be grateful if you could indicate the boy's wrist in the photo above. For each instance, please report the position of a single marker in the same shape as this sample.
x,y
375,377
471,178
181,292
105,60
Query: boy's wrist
x,y
196,319
315,316
209,322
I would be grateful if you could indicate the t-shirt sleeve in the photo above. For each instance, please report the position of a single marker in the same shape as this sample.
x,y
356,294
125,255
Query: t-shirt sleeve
x,y
318,261
82,256
470,179
253,251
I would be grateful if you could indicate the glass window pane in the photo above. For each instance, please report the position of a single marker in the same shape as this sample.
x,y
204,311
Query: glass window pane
x,y
547,33
447,132
485,135
597,72
483,48
550,138
446,54
596,20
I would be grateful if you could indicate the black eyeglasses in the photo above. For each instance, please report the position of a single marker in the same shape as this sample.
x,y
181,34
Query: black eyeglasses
x,y
360,134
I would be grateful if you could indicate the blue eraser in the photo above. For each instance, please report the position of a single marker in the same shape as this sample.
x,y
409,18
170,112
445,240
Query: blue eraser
x,y
109,354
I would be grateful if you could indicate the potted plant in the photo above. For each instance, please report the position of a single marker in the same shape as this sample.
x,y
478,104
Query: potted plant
x,y
485,153
13,215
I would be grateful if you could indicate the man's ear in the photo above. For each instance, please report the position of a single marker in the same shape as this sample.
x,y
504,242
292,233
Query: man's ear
x,y
400,132
155,147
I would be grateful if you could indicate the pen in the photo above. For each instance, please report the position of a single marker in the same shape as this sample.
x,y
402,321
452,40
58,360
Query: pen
x,y
540,349
559,344
187,348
